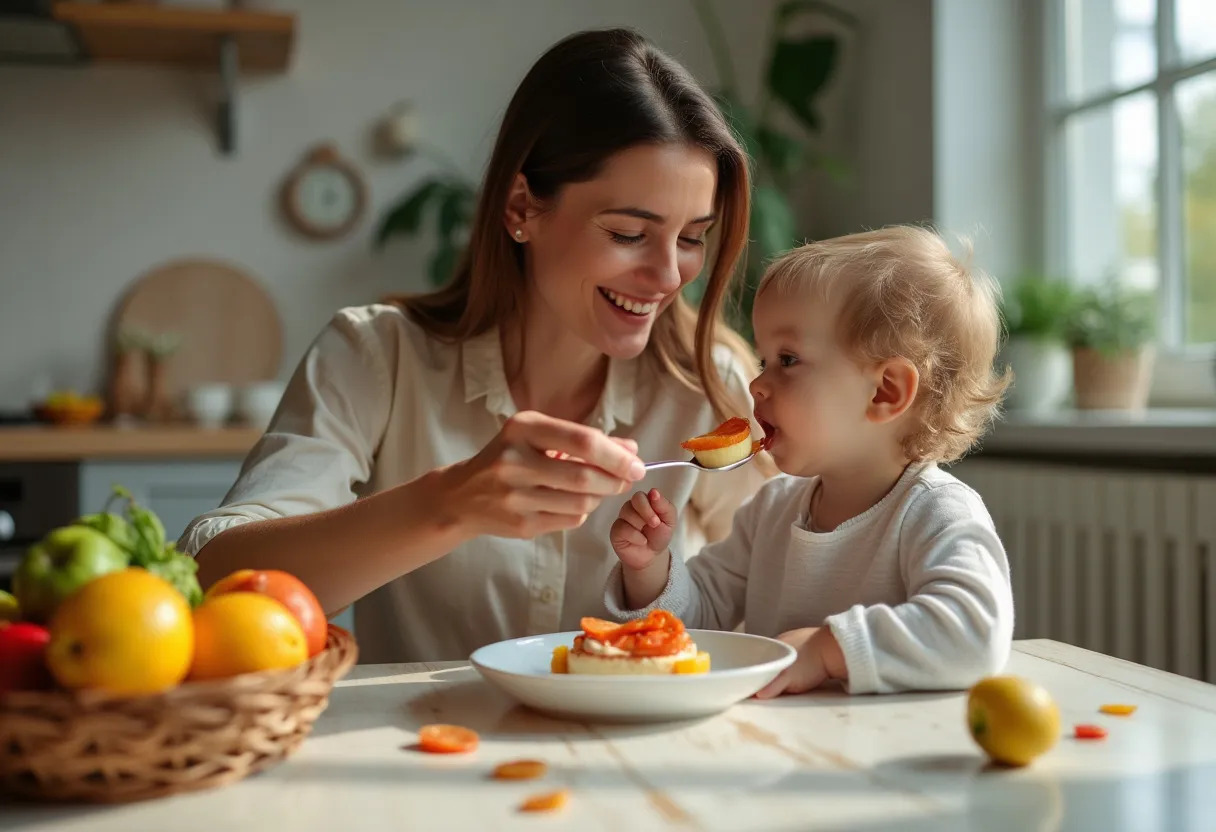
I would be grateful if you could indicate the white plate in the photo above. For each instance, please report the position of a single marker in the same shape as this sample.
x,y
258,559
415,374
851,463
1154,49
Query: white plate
x,y
740,665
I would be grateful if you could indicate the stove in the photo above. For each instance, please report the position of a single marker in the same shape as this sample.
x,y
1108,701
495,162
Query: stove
x,y
34,499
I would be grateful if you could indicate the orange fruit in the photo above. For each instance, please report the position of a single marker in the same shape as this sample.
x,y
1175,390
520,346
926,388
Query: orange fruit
x,y
126,632
244,632
284,587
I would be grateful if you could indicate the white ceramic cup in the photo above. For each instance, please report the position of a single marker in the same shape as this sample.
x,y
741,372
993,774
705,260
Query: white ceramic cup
x,y
210,405
258,402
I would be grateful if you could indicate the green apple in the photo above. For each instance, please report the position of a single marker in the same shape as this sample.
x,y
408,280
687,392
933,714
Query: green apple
x,y
59,564
10,610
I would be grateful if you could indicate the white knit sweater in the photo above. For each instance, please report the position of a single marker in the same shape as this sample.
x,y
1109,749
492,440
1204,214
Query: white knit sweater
x,y
916,589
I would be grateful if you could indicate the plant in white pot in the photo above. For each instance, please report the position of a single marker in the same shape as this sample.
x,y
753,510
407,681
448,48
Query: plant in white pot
x,y
1036,312
1111,332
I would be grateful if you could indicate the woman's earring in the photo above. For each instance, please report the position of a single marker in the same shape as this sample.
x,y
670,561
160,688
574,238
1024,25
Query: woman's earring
x,y
519,234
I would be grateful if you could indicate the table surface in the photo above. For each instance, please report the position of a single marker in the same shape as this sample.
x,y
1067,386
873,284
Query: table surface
x,y
821,760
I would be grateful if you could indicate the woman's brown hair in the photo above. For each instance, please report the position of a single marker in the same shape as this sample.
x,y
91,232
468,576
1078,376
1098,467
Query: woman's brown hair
x,y
590,96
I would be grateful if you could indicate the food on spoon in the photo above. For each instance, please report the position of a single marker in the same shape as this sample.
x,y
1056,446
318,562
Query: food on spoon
x,y
728,443
652,646
447,739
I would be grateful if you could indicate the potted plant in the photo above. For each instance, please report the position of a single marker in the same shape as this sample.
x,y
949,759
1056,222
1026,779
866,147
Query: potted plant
x,y
1035,314
1111,333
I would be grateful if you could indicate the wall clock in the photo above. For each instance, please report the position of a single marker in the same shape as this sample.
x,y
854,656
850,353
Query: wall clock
x,y
324,195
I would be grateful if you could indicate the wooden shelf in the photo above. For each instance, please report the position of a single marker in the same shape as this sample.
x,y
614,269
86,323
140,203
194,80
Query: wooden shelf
x,y
179,35
226,40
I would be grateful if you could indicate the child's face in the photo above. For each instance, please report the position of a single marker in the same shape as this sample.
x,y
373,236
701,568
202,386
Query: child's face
x,y
812,398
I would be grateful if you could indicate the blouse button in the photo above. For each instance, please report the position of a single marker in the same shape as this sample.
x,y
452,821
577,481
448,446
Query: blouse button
x,y
548,595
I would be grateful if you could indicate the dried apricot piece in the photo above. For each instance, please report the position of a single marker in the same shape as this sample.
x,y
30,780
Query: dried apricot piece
x,y
598,628
447,739
520,770
546,802
1089,732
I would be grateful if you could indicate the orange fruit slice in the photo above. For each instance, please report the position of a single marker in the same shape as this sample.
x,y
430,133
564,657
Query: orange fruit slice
x,y
447,739
731,432
559,662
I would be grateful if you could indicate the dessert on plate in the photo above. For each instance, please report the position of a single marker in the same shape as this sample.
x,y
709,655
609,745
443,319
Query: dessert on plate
x,y
652,646
726,444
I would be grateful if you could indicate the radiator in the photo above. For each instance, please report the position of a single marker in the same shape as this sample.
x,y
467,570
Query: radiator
x,y
1122,562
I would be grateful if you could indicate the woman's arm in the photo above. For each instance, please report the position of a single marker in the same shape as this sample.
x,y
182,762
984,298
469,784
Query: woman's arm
x,y
294,506
345,552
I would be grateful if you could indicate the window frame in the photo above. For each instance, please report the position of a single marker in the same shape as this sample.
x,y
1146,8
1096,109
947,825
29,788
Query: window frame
x,y
1170,71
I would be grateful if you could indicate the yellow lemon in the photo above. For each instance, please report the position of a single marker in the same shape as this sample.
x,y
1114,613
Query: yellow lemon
x,y
126,632
1012,719
243,632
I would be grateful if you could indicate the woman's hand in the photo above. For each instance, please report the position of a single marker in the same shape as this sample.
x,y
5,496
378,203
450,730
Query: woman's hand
x,y
538,475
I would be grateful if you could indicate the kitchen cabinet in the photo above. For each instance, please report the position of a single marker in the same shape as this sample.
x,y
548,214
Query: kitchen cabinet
x,y
177,490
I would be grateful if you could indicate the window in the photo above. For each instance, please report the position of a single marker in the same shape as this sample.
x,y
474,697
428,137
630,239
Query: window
x,y
1132,153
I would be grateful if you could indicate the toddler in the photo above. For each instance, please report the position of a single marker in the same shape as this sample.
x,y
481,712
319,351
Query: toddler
x,y
884,571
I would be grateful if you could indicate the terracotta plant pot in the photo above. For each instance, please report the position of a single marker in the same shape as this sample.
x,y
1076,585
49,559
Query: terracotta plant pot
x,y
1112,382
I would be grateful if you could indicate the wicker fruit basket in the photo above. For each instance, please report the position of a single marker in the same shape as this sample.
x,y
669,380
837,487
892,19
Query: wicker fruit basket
x,y
94,747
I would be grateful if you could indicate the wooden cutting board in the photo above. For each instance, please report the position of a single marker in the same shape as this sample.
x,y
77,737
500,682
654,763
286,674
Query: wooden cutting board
x,y
229,327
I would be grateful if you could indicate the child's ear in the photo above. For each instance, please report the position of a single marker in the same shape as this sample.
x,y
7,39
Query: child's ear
x,y
520,209
896,384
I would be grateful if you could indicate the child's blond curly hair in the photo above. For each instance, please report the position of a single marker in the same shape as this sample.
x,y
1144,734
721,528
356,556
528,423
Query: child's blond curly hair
x,y
901,292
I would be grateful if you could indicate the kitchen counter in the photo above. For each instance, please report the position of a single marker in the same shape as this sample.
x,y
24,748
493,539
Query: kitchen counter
x,y
821,760
47,443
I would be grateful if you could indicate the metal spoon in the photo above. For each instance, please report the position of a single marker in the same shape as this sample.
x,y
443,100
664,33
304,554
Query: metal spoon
x,y
692,463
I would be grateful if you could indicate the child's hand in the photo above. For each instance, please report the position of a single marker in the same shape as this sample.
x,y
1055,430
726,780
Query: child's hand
x,y
643,530
819,659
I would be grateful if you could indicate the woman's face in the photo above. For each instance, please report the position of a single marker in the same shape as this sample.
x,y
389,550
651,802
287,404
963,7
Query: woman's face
x,y
607,256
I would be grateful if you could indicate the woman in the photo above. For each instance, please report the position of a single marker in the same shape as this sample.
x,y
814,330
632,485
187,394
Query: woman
x,y
442,459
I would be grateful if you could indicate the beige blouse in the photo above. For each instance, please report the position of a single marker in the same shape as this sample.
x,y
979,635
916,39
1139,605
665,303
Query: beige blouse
x,y
376,402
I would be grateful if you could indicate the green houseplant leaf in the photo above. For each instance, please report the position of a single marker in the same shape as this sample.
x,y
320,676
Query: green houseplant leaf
x,y
1037,306
1112,319
799,70
406,218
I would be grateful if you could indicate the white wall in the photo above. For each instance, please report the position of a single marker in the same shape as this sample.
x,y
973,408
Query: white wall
x,y
107,171
987,79
878,118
